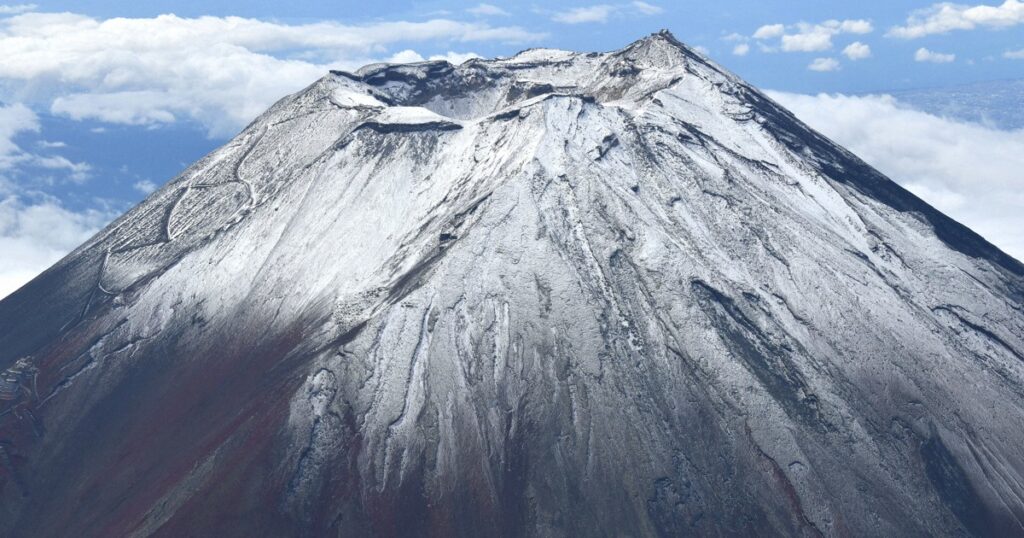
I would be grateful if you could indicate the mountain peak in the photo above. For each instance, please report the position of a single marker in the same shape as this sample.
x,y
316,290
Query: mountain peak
x,y
565,294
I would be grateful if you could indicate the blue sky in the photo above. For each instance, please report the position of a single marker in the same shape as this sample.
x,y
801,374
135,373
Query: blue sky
x,y
102,101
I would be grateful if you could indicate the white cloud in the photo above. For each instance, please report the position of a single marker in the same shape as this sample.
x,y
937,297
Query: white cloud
x,y
144,107
16,9
411,56
145,186
702,49
770,31
34,236
46,144
77,172
579,15
455,58
968,171
813,40
488,10
218,71
925,55
946,17
824,65
805,37
14,119
1014,54
647,9
857,51
406,56
858,26
741,50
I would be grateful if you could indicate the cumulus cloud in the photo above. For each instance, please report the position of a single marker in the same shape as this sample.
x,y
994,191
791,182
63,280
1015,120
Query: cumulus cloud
x,y
1014,54
411,56
925,55
816,39
857,51
488,10
770,31
806,37
968,171
947,17
824,65
218,71
741,50
600,13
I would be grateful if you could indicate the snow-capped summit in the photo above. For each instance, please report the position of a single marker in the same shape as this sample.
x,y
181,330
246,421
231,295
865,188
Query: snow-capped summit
x,y
557,294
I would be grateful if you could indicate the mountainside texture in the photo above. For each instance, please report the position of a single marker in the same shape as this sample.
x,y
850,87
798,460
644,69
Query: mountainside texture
x,y
558,294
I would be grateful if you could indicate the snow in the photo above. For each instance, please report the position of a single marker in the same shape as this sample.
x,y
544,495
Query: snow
x,y
346,97
541,55
623,279
410,115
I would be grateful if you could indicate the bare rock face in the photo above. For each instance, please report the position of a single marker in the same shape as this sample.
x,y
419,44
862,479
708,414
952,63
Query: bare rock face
x,y
558,294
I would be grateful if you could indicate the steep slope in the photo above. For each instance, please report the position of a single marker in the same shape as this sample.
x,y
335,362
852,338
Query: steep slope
x,y
558,294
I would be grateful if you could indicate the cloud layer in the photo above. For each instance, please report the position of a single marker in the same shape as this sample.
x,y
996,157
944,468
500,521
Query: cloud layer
x,y
968,171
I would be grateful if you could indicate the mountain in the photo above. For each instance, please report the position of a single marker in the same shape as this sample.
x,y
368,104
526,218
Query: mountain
x,y
557,294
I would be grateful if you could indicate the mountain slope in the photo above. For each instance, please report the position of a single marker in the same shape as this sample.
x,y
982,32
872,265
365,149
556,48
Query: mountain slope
x,y
556,294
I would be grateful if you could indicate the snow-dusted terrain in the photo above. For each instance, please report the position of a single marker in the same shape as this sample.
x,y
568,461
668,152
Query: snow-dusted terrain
x,y
558,294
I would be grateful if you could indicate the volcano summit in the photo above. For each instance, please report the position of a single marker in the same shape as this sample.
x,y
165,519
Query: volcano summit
x,y
557,294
